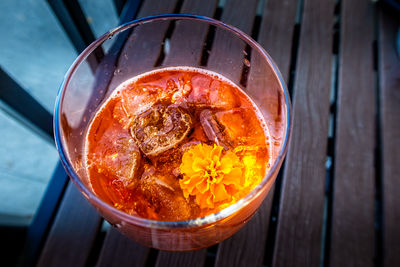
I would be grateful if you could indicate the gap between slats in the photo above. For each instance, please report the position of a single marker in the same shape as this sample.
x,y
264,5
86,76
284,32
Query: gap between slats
x,y
330,159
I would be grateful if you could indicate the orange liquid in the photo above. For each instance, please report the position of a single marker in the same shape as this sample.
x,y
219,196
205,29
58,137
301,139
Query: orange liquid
x,y
141,177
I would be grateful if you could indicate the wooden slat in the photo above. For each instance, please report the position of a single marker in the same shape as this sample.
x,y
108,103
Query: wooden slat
x,y
298,238
246,248
187,41
278,21
389,70
175,259
353,207
73,232
119,250
227,53
110,253
144,44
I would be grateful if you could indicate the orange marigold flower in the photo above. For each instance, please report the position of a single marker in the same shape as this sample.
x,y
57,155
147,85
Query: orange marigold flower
x,y
210,175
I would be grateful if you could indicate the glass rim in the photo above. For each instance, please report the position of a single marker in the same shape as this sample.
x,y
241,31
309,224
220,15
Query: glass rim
x,y
192,223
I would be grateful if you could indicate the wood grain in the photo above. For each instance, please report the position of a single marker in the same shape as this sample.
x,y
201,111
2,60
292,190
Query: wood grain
x,y
298,238
187,40
227,54
176,259
278,21
73,232
276,32
143,46
247,247
389,71
352,231
118,250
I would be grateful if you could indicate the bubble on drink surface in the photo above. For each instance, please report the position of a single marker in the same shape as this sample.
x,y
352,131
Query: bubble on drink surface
x,y
160,128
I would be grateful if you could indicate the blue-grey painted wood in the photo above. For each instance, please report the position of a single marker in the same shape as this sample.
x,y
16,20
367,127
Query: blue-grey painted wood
x,y
40,226
35,51
22,102
71,17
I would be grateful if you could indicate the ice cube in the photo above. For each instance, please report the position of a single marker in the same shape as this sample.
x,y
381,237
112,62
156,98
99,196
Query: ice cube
x,y
168,160
138,99
165,196
199,94
180,97
120,114
222,96
198,135
160,128
241,126
233,122
213,130
121,160
212,93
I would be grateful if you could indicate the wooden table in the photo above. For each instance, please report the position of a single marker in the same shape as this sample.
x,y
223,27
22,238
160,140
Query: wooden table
x,y
336,201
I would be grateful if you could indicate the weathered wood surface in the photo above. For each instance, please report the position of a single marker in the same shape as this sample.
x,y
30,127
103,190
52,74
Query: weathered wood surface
x,y
298,239
119,250
144,44
389,71
187,40
73,232
248,246
299,234
227,55
352,232
175,259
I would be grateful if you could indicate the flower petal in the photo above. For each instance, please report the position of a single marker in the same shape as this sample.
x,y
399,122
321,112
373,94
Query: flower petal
x,y
203,186
226,165
210,202
216,152
220,193
199,164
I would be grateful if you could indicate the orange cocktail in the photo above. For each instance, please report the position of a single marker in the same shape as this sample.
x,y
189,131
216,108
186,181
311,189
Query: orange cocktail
x,y
176,144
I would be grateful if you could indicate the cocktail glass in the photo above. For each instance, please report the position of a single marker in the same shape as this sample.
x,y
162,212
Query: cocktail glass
x,y
166,41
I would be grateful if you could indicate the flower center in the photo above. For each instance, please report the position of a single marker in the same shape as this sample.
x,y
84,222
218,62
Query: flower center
x,y
211,174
